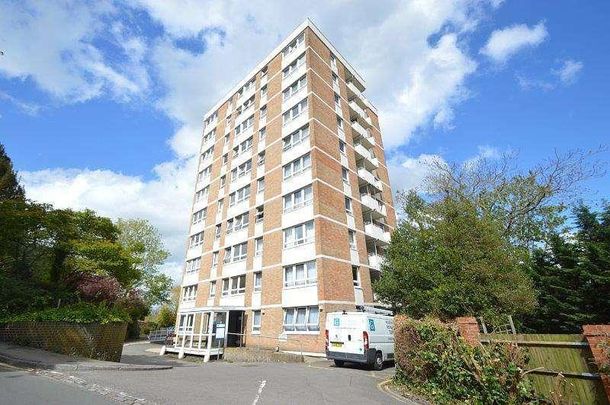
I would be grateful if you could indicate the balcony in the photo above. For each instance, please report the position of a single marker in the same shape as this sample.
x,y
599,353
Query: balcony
x,y
366,157
370,178
288,58
363,134
375,261
377,230
376,207
353,90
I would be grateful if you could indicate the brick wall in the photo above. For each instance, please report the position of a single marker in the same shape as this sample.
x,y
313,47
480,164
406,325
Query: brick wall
x,y
598,337
93,340
469,329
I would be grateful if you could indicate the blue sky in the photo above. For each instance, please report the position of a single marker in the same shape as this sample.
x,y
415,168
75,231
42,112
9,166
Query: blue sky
x,y
101,102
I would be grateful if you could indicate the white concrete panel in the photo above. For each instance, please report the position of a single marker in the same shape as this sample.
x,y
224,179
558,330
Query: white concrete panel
x,y
297,216
300,296
234,269
296,151
299,254
233,301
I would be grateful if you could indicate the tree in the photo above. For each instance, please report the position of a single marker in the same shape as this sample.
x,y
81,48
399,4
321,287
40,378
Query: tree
x,y
572,275
528,203
143,240
10,189
446,259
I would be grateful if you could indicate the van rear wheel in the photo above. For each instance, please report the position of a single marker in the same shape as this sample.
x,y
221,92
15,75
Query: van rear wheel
x,y
339,363
378,364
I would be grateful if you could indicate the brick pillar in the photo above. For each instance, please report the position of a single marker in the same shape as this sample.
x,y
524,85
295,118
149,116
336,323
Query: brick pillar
x,y
598,337
469,329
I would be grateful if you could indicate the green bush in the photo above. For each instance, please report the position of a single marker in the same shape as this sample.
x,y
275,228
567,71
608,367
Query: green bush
x,y
433,361
77,313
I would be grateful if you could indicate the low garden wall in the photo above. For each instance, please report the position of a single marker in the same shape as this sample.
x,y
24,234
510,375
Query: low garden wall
x,y
93,340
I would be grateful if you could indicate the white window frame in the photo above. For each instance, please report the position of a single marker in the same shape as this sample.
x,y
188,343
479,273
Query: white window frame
x,y
308,325
291,47
243,147
295,138
193,265
243,169
196,239
309,271
238,285
294,88
351,235
239,196
199,216
260,185
256,326
290,69
258,281
302,164
295,111
212,289
189,293
307,231
304,196
258,247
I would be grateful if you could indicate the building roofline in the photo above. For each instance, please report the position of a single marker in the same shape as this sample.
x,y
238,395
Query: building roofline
x,y
295,33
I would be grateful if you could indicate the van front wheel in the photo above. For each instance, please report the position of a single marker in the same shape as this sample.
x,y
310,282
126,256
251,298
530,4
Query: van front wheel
x,y
339,363
378,365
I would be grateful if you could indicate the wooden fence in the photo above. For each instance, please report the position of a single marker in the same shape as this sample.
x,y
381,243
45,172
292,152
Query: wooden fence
x,y
553,354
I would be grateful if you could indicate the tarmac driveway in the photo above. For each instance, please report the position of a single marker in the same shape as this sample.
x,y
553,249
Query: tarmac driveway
x,y
218,382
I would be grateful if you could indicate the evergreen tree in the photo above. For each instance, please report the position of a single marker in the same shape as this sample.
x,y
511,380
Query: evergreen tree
x,y
9,185
572,276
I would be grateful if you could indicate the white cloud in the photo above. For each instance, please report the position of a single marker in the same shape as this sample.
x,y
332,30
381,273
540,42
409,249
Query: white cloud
x,y
569,71
504,43
53,44
408,173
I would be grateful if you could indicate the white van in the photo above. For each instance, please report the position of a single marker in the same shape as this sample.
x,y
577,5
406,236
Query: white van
x,y
365,337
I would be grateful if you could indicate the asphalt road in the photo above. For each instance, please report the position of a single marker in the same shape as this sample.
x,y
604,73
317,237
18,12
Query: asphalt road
x,y
216,382
24,388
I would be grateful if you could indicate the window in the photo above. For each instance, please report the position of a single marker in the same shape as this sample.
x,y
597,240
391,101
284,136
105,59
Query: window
x,y
260,185
225,287
221,204
196,239
236,253
295,111
199,216
214,259
238,284
262,133
217,232
295,87
240,195
225,159
356,276
337,101
241,170
237,223
264,91
209,136
201,194
290,69
342,147
344,175
204,174
223,181
247,123
298,199
296,137
226,139
263,113
348,205
189,293
335,79
207,154
242,147
256,321
294,44
297,166
264,73
301,319
301,274
258,246
249,102
352,239
258,281
261,158
339,124
260,213
333,61
193,265
298,235
212,288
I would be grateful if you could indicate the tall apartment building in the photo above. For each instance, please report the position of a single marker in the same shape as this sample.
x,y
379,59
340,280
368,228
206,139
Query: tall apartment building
x,y
292,206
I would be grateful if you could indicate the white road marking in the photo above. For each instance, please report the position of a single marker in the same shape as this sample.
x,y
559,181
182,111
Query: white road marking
x,y
260,390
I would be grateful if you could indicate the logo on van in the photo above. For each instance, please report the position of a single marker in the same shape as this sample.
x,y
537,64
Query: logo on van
x,y
372,325
337,321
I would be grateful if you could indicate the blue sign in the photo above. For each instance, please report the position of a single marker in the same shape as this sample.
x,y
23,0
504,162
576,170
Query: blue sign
x,y
372,325
336,321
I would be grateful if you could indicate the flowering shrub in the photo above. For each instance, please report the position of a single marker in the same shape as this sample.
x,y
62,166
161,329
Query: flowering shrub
x,y
96,288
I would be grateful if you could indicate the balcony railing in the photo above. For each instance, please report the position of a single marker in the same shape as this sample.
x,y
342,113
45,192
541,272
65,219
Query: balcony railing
x,y
373,204
377,230
364,133
375,261
369,178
